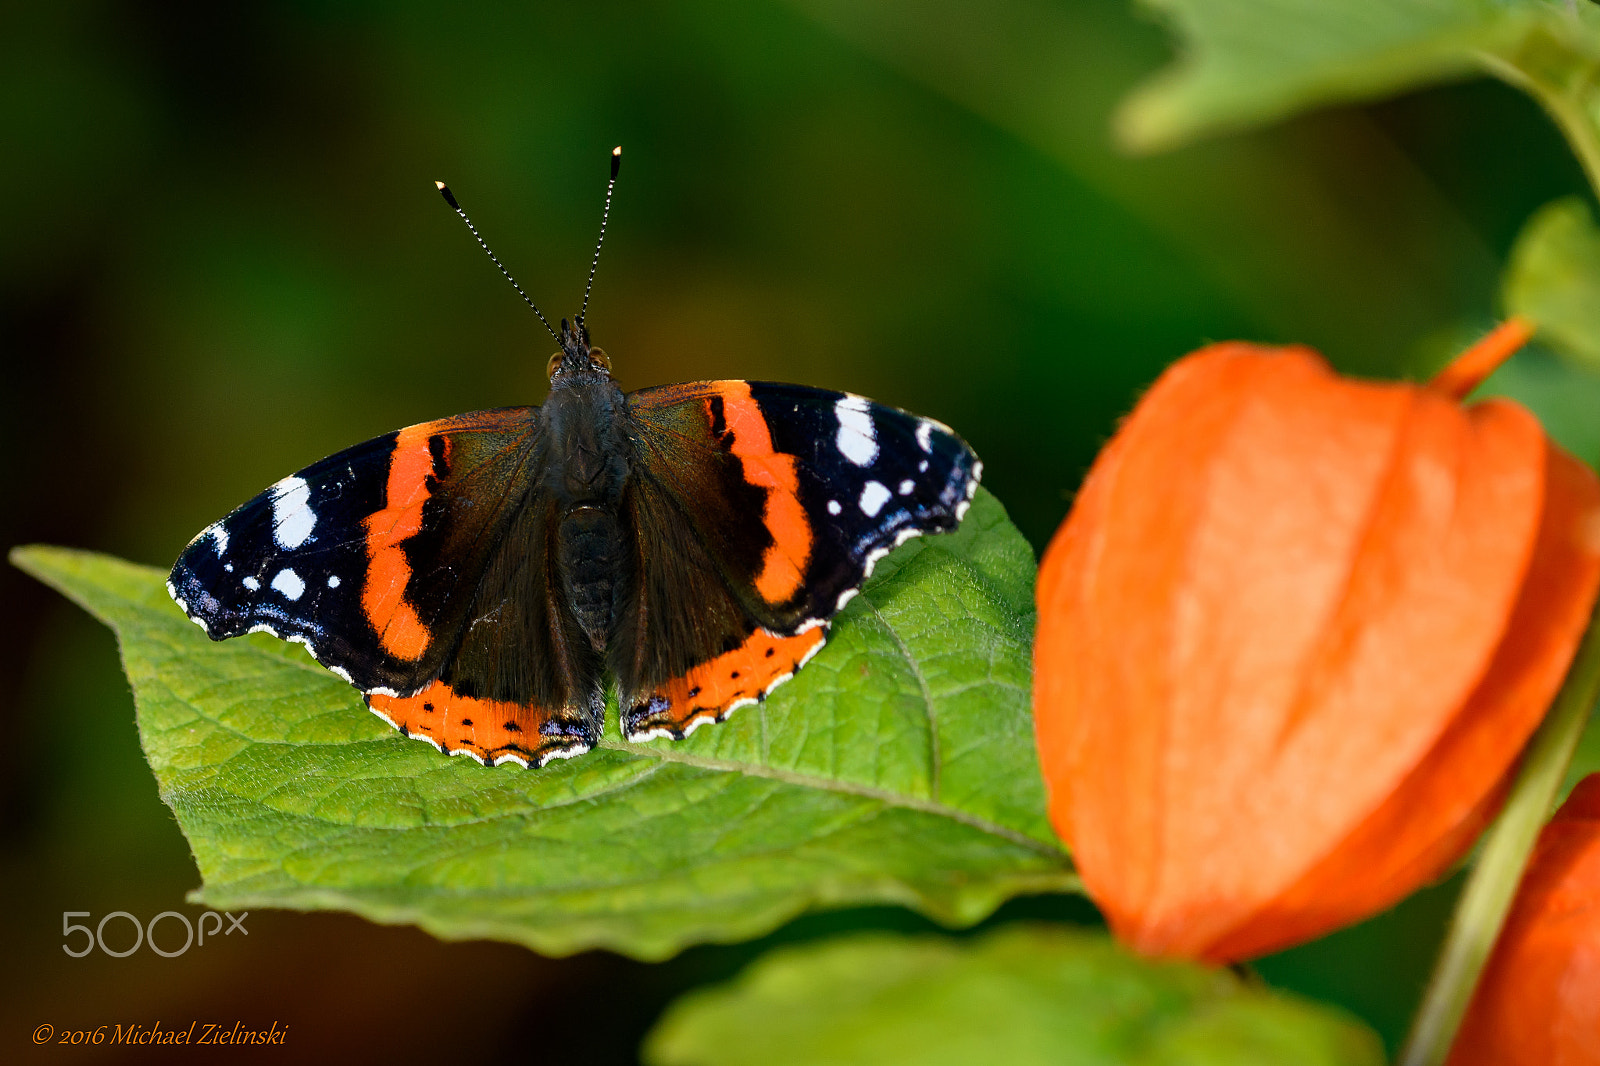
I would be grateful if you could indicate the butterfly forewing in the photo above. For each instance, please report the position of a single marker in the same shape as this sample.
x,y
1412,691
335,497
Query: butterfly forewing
x,y
799,491
370,557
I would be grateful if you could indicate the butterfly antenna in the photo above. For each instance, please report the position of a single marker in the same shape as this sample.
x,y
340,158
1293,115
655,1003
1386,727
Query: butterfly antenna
x,y
449,198
616,165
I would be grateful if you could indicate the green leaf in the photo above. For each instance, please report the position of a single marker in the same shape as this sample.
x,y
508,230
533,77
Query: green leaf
x,y
1554,279
1564,396
1246,62
897,767
1020,995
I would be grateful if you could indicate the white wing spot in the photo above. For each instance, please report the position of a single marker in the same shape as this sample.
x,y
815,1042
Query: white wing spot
x,y
922,467
858,438
289,583
228,567
833,507
906,486
251,583
873,497
219,538
925,435
333,581
292,516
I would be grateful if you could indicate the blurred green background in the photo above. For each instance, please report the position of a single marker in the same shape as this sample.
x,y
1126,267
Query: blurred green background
x,y
221,257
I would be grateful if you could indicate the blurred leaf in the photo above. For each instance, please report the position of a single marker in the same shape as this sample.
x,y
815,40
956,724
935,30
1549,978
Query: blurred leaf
x,y
1564,396
1554,279
1246,62
898,767
1239,211
1020,995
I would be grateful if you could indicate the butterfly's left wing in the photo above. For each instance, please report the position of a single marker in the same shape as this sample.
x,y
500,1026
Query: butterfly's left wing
x,y
769,503
413,566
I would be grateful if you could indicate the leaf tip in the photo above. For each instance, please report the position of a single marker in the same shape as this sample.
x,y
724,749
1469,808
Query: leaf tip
x,y
41,561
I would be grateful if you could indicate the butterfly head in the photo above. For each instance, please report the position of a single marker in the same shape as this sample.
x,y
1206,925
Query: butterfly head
x,y
578,360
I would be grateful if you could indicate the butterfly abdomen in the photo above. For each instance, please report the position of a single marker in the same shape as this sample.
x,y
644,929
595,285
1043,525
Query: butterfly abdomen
x,y
587,464
592,554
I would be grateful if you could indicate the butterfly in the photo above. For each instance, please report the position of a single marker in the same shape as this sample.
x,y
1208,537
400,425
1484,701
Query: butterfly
x,y
484,579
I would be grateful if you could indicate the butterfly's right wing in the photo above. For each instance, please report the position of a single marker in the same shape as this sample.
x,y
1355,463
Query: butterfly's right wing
x,y
765,507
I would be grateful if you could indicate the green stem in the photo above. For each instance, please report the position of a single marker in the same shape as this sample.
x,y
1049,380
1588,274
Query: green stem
x,y
1482,908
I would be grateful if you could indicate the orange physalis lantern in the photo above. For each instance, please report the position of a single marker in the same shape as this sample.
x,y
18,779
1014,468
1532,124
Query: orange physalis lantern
x,y
1292,637
1539,1000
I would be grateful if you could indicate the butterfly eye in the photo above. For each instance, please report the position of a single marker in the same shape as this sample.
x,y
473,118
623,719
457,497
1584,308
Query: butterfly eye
x,y
555,364
600,359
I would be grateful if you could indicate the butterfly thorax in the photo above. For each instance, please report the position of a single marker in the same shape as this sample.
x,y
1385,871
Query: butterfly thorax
x,y
584,425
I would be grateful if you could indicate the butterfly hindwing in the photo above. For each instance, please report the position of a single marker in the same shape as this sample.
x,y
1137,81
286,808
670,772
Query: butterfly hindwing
x,y
521,683
685,612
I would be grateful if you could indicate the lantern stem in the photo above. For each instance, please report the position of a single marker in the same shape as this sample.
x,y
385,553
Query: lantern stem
x,y
1490,889
1467,371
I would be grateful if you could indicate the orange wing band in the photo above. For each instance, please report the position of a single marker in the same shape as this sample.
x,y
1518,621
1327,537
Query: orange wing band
x,y
784,562
490,731
710,691
400,631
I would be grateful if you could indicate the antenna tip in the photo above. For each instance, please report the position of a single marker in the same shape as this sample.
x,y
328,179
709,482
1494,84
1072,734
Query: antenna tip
x,y
439,185
444,190
616,160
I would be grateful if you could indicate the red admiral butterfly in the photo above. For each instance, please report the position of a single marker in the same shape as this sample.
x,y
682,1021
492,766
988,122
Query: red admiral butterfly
x,y
479,578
